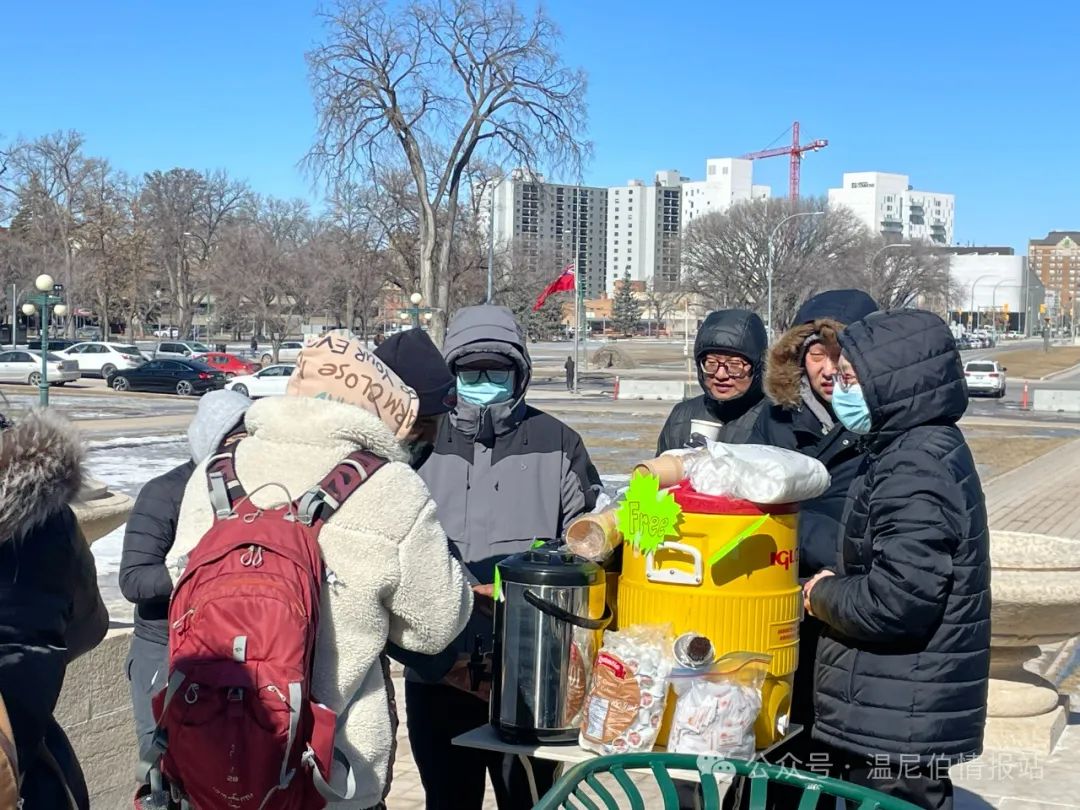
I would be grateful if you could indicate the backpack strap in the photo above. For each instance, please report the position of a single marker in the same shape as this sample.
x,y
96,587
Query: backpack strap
x,y
318,504
224,485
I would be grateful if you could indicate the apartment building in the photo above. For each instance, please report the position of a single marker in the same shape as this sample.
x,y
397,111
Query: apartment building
x,y
889,205
643,231
548,225
1055,261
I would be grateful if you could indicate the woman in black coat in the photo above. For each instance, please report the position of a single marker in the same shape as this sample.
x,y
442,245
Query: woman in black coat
x,y
903,663
50,608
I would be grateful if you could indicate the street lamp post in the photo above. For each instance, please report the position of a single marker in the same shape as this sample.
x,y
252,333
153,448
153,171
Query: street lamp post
x,y
48,297
770,269
973,286
415,312
993,307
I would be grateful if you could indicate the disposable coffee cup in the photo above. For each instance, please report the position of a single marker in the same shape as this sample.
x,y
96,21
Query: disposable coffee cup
x,y
703,427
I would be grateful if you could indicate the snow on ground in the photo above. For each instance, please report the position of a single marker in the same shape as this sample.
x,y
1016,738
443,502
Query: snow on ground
x,y
126,465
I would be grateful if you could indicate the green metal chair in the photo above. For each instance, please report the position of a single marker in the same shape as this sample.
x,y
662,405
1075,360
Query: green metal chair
x,y
569,792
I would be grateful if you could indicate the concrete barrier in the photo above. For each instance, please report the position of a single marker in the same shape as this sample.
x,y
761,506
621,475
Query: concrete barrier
x,y
1055,400
95,710
668,390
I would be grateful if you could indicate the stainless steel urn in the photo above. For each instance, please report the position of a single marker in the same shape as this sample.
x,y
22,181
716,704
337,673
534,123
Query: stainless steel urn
x,y
548,623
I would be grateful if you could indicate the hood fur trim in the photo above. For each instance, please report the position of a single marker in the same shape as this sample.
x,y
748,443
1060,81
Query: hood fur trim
x,y
784,369
40,471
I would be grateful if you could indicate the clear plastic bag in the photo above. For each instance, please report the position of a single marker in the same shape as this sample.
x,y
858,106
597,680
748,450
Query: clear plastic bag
x,y
595,536
716,708
625,703
756,472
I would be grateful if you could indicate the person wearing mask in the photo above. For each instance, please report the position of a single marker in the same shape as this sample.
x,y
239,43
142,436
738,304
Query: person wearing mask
x,y
503,475
150,531
903,662
390,574
50,609
729,352
799,381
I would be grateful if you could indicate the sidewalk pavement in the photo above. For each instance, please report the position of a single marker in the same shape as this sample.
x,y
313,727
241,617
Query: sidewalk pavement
x,y
1039,496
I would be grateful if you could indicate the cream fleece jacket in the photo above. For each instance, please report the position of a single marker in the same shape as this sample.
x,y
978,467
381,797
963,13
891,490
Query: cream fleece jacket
x,y
395,578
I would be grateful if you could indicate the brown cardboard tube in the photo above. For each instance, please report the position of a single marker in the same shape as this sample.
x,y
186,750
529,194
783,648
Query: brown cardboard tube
x,y
669,469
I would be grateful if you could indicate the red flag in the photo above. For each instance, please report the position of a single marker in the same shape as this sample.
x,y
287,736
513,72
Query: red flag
x,y
564,283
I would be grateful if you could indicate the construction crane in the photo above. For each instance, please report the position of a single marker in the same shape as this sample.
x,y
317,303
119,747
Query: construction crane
x,y
796,151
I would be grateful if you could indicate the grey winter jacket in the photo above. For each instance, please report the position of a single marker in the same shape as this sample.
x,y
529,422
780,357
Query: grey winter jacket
x,y
741,332
903,663
505,475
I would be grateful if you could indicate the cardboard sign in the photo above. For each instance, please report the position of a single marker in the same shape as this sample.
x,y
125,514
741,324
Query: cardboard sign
x,y
338,367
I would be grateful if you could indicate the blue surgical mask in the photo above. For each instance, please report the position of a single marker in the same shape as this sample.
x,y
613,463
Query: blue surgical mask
x,y
480,389
851,409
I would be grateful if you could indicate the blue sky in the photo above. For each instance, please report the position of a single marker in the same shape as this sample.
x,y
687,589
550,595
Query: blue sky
x,y
979,103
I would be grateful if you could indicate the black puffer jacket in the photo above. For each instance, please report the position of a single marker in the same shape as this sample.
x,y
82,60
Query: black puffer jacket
x,y
50,608
733,330
151,529
903,665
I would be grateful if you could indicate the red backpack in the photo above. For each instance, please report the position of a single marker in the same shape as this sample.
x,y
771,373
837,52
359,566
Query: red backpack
x,y
237,726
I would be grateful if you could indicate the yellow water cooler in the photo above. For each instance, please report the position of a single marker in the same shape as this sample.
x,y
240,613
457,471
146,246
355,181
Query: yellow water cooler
x,y
749,600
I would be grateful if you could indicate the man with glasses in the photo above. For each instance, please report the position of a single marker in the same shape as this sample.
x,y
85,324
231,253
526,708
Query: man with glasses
x,y
503,475
729,353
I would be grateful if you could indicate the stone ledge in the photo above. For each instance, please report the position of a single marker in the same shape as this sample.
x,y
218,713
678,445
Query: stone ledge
x,y
95,710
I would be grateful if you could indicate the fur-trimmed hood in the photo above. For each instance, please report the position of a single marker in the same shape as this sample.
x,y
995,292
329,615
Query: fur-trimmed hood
x,y
784,368
825,315
40,471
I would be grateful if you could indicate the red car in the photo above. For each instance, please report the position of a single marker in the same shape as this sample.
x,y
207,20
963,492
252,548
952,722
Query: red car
x,y
229,364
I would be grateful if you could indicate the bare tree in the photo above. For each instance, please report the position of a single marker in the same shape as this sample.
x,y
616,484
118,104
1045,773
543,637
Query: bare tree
x,y
437,84
48,177
726,255
911,273
661,299
185,212
266,267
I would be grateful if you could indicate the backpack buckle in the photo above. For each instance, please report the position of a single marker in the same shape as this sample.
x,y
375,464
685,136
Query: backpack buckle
x,y
311,504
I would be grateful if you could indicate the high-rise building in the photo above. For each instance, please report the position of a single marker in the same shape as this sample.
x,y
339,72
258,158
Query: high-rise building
x,y
890,206
1055,260
546,226
727,181
643,231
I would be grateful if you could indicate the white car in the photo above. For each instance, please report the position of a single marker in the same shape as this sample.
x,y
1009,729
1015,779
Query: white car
x,y
103,359
270,382
985,377
24,366
289,353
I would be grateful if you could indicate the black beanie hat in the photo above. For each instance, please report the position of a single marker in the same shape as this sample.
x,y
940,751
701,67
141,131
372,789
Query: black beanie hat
x,y
414,358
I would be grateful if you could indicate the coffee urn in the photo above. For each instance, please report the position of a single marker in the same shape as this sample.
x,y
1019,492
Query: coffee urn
x,y
548,624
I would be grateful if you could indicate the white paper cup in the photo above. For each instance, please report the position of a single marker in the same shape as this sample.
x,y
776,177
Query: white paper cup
x,y
703,427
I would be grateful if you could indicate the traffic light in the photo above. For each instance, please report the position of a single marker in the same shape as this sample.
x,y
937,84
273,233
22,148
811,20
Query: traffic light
x,y
1006,307
1042,309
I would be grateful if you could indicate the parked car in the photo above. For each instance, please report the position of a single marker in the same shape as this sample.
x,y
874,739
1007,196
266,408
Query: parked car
x,y
167,332
56,344
102,359
289,353
88,333
229,364
180,350
270,382
24,366
985,377
184,377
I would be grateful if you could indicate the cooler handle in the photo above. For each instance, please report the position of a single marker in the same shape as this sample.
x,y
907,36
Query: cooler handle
x,y
673,576
557,612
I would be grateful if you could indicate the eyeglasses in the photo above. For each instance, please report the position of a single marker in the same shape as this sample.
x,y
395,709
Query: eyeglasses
x,y
735,369
845,381
499,376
